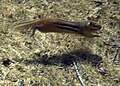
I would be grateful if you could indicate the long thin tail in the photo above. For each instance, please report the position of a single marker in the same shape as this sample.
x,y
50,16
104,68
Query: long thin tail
x,y
26,26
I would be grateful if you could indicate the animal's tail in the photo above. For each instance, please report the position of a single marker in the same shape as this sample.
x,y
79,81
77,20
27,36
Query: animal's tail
x,y
26,26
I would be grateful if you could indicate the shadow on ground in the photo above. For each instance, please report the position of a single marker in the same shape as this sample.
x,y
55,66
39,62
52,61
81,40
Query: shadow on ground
x,y
67,59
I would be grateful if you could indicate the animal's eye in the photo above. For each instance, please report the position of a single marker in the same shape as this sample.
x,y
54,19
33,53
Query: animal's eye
x,y
90,23
93,24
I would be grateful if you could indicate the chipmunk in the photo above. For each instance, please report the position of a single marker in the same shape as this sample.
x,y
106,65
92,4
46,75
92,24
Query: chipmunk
x,y
85,28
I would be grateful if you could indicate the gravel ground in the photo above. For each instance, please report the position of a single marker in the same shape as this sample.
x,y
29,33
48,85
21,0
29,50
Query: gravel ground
x,y
46,59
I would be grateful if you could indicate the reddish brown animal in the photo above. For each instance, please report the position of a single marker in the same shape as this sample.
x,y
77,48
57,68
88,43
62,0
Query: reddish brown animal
x,y
85,28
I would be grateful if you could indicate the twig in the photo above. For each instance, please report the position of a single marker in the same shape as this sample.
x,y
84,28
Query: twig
x,y
117,47
78,74
114,58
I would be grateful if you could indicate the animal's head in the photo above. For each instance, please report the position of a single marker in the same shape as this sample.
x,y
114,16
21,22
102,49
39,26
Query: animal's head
x,y
90,29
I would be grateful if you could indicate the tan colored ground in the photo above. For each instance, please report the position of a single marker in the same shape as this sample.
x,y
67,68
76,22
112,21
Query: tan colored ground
x,y
46,59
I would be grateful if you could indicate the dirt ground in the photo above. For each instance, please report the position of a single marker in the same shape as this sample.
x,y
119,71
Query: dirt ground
x,y
46,58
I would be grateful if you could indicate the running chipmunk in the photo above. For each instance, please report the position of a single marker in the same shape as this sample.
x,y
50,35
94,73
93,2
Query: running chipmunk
x,y
85,28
